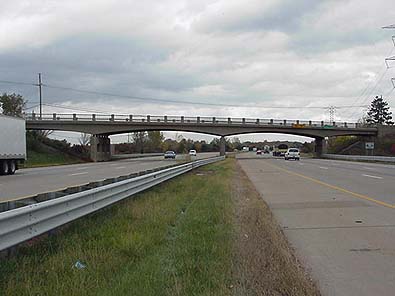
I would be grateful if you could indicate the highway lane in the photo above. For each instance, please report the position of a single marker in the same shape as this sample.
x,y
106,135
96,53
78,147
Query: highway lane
x,y
28,182
339,216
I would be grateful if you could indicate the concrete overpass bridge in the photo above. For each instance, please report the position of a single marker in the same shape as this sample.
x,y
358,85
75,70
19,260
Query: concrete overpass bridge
x,y
102,126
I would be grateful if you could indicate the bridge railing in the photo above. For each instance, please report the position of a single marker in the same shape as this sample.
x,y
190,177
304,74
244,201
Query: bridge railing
x,y
189,120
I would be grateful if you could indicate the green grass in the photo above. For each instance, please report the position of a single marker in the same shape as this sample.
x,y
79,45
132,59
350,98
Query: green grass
x,y
38,159
172,240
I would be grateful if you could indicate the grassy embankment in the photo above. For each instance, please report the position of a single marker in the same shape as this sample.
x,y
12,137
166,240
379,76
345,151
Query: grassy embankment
x,y
205,233
41,159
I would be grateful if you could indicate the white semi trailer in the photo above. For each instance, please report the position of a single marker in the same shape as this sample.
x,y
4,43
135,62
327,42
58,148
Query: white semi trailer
x,y
12,143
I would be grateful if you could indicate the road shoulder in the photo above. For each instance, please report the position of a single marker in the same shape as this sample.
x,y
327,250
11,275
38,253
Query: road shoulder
x,y
264,262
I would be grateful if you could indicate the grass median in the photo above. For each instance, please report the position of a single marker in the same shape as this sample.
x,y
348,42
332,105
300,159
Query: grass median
x,y
204,233
172,240
39,159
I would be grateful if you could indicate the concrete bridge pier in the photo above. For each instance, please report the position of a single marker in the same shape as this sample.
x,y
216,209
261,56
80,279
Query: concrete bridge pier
x,y
320,147
100,148
222,146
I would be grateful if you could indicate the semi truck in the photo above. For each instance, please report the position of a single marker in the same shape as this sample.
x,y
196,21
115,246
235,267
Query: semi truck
x,y
12,143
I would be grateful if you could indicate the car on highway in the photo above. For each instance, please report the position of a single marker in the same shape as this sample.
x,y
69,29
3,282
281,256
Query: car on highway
x,y
170,154
192,152
292,153
259,152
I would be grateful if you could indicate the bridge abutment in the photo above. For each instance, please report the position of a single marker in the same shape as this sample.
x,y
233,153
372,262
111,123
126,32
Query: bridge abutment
x,y
222,146
100,148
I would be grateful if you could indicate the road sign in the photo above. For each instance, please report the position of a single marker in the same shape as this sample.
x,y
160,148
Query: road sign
x,y
369,145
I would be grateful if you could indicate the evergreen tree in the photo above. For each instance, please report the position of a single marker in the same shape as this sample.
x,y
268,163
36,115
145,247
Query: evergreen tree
x,y
379,112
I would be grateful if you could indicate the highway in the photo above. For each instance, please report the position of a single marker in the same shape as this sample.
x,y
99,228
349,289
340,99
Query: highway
x,y
28,182
338,215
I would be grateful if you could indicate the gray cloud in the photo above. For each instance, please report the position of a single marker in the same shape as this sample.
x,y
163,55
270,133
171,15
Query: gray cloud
x,y
278,53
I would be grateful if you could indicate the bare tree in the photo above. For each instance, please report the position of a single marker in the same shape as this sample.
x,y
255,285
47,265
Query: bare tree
x,y
44,133
84,139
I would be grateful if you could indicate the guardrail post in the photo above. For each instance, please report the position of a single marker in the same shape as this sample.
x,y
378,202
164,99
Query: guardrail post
x,y
182,119
310,123
198,119
243,120
271,121
54,116
345,124
322,123
257,121
93,117
297,122
33,116
213,119
74,117
148,118
130,118
165,118
229,120
334,123
285,122
112,117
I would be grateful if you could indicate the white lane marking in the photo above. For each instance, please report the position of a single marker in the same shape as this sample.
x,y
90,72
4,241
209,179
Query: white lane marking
x,y
77,174
121,167
324,168
370,176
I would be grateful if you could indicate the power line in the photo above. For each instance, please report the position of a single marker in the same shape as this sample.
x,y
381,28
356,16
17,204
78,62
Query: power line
x,y
16,82
171,100
74,108
377,82
179,102
189,102
32,107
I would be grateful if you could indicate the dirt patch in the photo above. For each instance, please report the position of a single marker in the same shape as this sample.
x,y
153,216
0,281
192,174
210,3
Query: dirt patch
x,y
264,263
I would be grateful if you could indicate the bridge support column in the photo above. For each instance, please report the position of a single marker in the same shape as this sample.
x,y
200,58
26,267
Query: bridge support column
x,y
222,146
320,147
100,148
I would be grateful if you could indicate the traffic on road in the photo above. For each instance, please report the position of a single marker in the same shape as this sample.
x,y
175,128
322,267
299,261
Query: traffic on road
x,y
41,180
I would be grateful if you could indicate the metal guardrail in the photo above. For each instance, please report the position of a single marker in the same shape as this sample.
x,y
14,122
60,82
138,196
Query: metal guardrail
x,y
119,118
22,224
360,158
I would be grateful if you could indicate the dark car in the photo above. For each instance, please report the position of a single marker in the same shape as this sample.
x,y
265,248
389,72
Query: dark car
x,y
170,154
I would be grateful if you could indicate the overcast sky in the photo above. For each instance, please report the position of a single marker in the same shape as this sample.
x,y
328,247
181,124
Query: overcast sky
x,y
257,53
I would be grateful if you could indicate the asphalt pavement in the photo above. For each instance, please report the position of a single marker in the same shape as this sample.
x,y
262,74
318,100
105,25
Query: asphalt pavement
x,y
28,182
338,215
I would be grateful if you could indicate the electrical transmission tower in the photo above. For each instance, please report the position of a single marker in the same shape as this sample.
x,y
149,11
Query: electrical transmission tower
x,y
387,60
332,110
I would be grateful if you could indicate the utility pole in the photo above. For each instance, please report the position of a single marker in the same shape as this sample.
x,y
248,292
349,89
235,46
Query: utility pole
x,y
40,92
